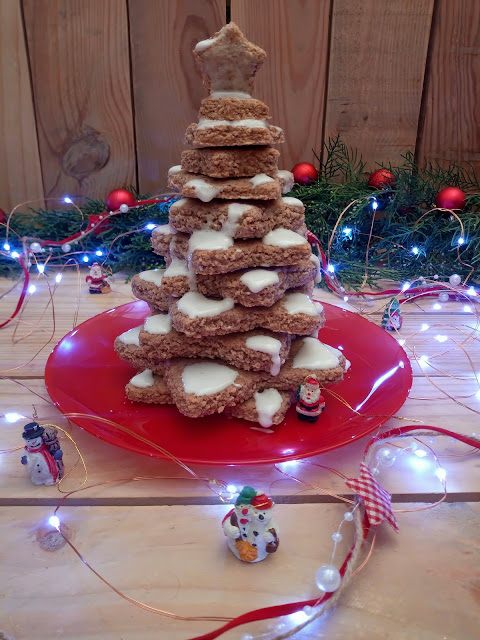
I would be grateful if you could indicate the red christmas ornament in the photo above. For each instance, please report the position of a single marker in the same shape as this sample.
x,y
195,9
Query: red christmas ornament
x,y
3,216
450,198
381,179
304,173
117,197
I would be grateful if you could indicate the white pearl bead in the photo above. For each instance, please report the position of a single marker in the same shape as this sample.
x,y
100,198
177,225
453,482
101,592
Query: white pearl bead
x,y
337,537
348,516
455,279
385,457
66,248
124,208
307,610
36,247
247,636
443,296
328,578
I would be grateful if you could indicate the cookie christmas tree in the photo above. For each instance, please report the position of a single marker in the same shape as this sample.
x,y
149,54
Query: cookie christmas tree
x,y
232,319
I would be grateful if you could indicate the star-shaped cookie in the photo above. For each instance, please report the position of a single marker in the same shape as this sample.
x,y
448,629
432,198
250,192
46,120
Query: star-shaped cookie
x,y
228,61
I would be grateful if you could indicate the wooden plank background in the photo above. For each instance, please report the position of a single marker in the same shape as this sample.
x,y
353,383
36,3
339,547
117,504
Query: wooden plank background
x,y
97,94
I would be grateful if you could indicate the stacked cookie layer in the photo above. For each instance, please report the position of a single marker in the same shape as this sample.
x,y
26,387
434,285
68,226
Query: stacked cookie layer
x,y
231,313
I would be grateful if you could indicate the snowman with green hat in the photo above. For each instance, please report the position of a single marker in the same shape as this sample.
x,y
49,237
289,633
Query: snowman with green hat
x,y
251,533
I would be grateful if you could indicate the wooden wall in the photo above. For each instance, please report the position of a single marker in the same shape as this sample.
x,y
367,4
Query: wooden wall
x,y
96,94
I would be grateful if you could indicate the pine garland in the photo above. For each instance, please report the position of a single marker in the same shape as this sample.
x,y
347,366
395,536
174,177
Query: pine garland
x,y
398,227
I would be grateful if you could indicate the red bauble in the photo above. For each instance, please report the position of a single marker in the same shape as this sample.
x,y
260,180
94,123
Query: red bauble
x,y
304,173
3,216
381,179
450,198
117,197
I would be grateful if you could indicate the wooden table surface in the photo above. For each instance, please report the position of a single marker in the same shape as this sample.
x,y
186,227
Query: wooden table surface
x,y
160,540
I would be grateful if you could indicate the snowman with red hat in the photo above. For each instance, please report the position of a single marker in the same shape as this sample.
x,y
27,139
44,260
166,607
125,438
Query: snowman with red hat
x,y
251,533
310,403
96,279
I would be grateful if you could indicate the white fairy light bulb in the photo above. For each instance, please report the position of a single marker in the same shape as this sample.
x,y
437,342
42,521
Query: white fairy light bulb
x,y
455,279
36,247
415,251
6,246
461,240
385,457
32,288
424,327
15,254
41,268
54,521
328,578
86,258
58,277
67,200
150,226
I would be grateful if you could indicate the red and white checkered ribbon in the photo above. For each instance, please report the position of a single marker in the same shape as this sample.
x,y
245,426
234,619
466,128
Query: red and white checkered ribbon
x,y
377,501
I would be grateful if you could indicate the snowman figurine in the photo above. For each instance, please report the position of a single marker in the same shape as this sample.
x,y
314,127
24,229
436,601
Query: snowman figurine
x,y
310,403
96,280
39,462
251,533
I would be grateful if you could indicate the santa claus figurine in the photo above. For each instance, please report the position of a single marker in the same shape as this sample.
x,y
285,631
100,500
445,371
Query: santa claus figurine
x,y
96,280
39,462
310,403
251,533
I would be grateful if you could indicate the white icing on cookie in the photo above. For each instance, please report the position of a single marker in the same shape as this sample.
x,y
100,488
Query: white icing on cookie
x,y
176,169
234,212
131,336
196,305
313,354
177,267
267,344
287,178
291,202
231,94
267,403
316,262
179,203
209,240
204,44
203,190
283,238
207,378
143,379
159,324
258,279
260,178
164,229
301,303
153,275
206,123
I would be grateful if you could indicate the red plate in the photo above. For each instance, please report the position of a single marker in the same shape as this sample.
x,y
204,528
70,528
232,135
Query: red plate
x,y
84,375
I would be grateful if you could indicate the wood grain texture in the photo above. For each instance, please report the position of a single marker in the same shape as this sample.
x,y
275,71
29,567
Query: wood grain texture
x,y
79,59
20,173
167,86
293,78
377,61
422,584
450,130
